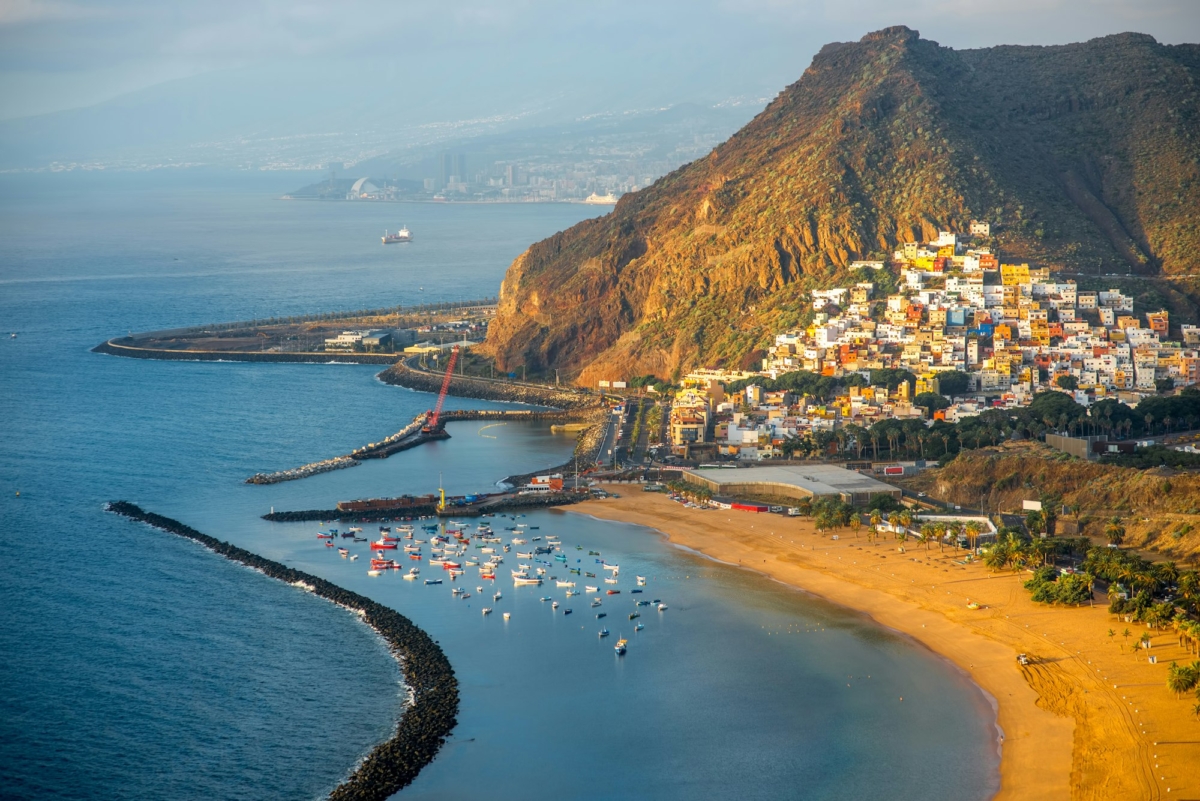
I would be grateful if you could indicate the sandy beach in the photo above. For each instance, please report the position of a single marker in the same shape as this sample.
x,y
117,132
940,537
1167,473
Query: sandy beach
x,y
1089,718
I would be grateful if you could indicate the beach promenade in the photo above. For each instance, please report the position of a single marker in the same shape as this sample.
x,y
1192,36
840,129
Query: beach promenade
x,y
1089,718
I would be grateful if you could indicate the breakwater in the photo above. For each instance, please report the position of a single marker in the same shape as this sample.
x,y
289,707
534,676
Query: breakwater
x,y
495,504
121,347
410,436
304,471
402,374
433,711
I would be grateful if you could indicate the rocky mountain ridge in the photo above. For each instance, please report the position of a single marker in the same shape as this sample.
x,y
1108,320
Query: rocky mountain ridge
x,y
1084,157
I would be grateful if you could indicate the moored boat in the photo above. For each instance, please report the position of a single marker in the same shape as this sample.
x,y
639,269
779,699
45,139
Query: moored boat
x,y
620,646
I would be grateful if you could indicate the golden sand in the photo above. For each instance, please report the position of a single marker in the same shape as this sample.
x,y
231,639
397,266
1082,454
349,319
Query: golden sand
x,y
1089,718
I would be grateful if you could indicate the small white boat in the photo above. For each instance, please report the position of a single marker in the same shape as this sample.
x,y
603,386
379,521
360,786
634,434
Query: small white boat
x,y
554,605
519,580
611,581
487,610
662,607
612,567
571,592
411,577
522,555
495,597
565,583
507,615
518,541
590,588
641,580
353,556
373,573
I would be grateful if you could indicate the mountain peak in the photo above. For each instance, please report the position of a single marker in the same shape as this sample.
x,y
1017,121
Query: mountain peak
x,y
1078,155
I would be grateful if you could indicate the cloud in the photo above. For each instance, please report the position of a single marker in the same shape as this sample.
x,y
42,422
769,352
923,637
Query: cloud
x,y
21,12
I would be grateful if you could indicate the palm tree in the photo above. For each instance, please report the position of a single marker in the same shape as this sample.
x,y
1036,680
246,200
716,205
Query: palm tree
x,y
1126,634
855,522
927,533
876,521
972,529
1114,531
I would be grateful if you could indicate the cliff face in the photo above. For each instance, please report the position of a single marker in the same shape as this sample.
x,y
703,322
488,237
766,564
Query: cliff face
x,y
1083,156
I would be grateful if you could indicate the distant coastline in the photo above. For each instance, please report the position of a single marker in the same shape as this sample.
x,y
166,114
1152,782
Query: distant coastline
x,y
432,713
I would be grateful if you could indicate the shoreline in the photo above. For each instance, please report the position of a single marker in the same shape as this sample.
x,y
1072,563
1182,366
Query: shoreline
x,y
1069,722
432,687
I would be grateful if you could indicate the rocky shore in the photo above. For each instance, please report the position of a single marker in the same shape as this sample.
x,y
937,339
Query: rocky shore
x,y
312,469
432,714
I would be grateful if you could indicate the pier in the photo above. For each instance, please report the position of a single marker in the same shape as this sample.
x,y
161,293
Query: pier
x,y
408,437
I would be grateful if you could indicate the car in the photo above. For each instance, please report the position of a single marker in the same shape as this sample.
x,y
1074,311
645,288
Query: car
x,y
922,494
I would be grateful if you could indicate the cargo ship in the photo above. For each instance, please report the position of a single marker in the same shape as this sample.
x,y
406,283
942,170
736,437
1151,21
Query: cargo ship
x,y
403,235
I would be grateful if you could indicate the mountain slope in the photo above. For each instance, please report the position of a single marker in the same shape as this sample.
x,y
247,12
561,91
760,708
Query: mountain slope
x,y
1084,156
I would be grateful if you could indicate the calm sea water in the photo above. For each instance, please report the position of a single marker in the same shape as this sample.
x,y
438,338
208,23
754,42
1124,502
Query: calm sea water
x,y
135,664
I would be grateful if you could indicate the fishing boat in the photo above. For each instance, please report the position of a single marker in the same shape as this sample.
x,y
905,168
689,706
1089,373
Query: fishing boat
x,y
571,592
613,568
566,611
589,588
589,575
601,615
596,602
635,591
507,615
519,580
456,591
518,541
564,583
353,556
487,611
554,605
487,575
663,608
524,555
639,627
620,646
433,581
574,570
634,615
495,597
448,565
411,577
360,539
383,546
593,553
324,536
546,598
415,556
374,573
614,592
641,580
437,562
344,553
611,581
603,632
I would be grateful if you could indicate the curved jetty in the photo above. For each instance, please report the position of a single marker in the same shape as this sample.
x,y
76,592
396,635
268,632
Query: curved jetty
x,y
432,713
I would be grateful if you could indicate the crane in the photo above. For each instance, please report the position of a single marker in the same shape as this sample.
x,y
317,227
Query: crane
x,y
432,423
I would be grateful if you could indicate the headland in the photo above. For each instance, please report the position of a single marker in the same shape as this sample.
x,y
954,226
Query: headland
x,y
1087,718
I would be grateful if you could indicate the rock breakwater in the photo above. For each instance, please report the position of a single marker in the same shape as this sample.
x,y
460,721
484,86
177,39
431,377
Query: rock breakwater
x,y
432,713
323,466
402,374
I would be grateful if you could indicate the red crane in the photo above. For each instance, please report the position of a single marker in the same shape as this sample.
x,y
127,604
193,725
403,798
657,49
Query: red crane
x,y
432,422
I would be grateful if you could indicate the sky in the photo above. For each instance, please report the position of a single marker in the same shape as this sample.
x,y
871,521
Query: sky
x,y
62,54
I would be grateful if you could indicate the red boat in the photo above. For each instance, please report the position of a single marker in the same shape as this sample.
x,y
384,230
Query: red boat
x,y
415,556
328,544
379,545
614,592
324,536
451,566
487,575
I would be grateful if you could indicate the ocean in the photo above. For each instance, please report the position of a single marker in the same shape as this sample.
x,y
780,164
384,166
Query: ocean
x,y
136,664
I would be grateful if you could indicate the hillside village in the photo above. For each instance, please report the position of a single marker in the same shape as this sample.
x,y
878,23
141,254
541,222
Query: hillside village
x,y
960,334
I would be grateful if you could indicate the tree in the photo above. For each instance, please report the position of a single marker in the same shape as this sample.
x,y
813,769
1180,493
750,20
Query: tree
x,y
1162,385
1034,522
876,522
855,523
953,382
1114,531
972,530
930,402
1067,382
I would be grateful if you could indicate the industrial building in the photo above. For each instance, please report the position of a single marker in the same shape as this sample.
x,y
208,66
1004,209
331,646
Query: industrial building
x,y
793,481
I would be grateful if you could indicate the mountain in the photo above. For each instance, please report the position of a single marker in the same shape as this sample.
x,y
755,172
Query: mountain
x,y
1084,157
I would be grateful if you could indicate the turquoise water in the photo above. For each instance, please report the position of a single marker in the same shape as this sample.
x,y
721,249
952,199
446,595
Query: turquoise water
x,y
134,664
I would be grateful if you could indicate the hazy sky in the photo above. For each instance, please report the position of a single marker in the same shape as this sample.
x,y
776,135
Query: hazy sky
x,y
57,54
